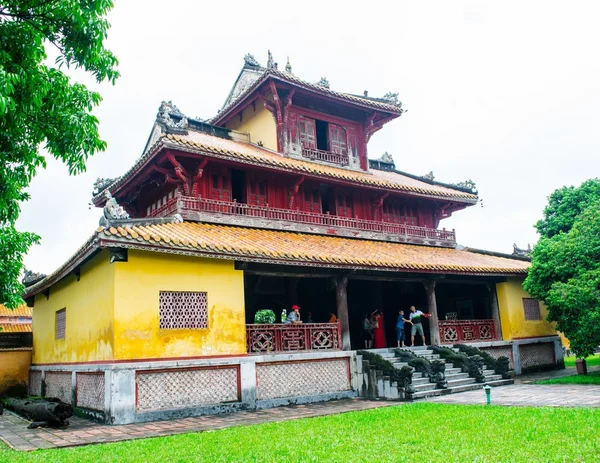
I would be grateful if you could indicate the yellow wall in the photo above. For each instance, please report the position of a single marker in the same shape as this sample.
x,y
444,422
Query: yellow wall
x,y
512,315
89,314
259,124
15,368
137,286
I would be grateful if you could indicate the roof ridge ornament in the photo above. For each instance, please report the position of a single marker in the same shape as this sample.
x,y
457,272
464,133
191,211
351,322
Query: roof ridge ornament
x,y
517,251
270,63
30,277
387,157
102,184
165,111
323,82
112,211
391,98
249,60
288,66
429,176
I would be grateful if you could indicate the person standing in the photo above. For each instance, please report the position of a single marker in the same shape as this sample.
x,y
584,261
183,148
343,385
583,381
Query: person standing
x,y
332,318
400,333
379,331
417,324
367,332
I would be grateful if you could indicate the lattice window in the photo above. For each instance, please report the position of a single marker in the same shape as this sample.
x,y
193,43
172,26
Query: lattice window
x,y
90,390
532,309
535,355
59,385
293,379
183,309
187,388
60,323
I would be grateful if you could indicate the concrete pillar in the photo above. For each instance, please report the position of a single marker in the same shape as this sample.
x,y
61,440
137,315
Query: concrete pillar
x,y
558,354
495,310
123,397
432,308
516,358
342,310
248,382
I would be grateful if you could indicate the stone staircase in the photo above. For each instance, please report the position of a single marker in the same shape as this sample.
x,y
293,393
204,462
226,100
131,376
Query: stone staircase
x,y
376,385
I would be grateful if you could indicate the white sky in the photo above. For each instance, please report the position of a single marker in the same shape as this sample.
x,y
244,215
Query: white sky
x,y
504,93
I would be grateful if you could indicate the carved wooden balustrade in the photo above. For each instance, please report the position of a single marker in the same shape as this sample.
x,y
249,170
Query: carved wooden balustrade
x,y
326,156
185,205
457,331
293,337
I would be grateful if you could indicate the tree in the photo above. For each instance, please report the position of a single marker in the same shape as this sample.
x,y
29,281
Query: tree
x,y
565,270
41,107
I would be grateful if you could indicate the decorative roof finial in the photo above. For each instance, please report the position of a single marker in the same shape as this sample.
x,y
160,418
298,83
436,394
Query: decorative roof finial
x,y
392,98
249,60
429,176
288,66
323,82
366,93
270,62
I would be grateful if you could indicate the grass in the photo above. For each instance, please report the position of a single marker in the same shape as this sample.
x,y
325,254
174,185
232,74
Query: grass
x,y
592,361
424,432
591,378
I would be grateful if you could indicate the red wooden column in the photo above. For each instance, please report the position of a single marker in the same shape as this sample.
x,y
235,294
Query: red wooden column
x,y
432,309
341,297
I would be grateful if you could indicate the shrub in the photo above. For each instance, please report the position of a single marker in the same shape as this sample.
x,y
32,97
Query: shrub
x,y
264,317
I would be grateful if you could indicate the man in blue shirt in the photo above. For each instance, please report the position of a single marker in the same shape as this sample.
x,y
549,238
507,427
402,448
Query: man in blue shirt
x,y
400,333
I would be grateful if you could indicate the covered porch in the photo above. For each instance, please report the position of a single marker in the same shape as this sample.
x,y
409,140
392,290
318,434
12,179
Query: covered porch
x,y
462,308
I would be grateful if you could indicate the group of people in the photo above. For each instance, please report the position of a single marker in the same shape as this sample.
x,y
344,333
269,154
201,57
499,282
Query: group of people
x,y
374,332
294,317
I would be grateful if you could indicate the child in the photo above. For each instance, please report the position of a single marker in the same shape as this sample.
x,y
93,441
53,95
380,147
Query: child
x,y
400,328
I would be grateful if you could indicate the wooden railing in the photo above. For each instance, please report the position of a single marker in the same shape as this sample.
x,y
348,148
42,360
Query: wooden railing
x,y
293,337
326,156
212,206
457,331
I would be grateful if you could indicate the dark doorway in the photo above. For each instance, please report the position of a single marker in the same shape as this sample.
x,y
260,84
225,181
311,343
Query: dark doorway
x,y
322,129
463,301
238,185
315,296
326,199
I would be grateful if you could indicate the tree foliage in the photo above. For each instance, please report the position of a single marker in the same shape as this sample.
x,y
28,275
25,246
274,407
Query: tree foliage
x,y
42,108
565,271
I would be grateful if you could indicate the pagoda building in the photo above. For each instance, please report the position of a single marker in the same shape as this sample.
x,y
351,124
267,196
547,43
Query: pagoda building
x,y
273,202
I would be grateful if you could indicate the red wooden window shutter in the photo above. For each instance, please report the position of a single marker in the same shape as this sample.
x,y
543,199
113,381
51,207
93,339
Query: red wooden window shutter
x,y
306,128
337,139
312,200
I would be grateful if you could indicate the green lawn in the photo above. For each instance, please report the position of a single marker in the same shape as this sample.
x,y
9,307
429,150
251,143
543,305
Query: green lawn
x,y
423,432
591,378
591,361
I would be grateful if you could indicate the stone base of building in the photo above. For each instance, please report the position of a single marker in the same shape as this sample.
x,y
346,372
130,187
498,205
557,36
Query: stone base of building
x,y
527,355
132,392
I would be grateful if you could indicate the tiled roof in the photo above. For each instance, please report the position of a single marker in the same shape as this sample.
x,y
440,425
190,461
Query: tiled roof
x,y
305,249
291,78
21,311
15,328
245,152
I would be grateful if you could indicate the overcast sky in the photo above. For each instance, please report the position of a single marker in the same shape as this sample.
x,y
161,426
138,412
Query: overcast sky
x,y
503,93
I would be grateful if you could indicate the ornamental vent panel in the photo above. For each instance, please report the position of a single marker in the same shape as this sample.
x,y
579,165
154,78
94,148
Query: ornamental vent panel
x,y
35,383
501,351
58,384
183,309
534,355
188,388
532,309
293,379
90,390
60,319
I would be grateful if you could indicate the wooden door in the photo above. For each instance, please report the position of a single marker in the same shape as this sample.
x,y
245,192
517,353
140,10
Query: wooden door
x,y
257,191
220,185
308,133
312,203
343,204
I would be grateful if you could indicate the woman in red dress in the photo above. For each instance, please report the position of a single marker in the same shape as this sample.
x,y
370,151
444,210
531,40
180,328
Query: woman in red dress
x,y
378,330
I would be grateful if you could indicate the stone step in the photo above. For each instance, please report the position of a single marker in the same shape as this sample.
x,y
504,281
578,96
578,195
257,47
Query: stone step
x,y
453,376
424,387
460,381
417,381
